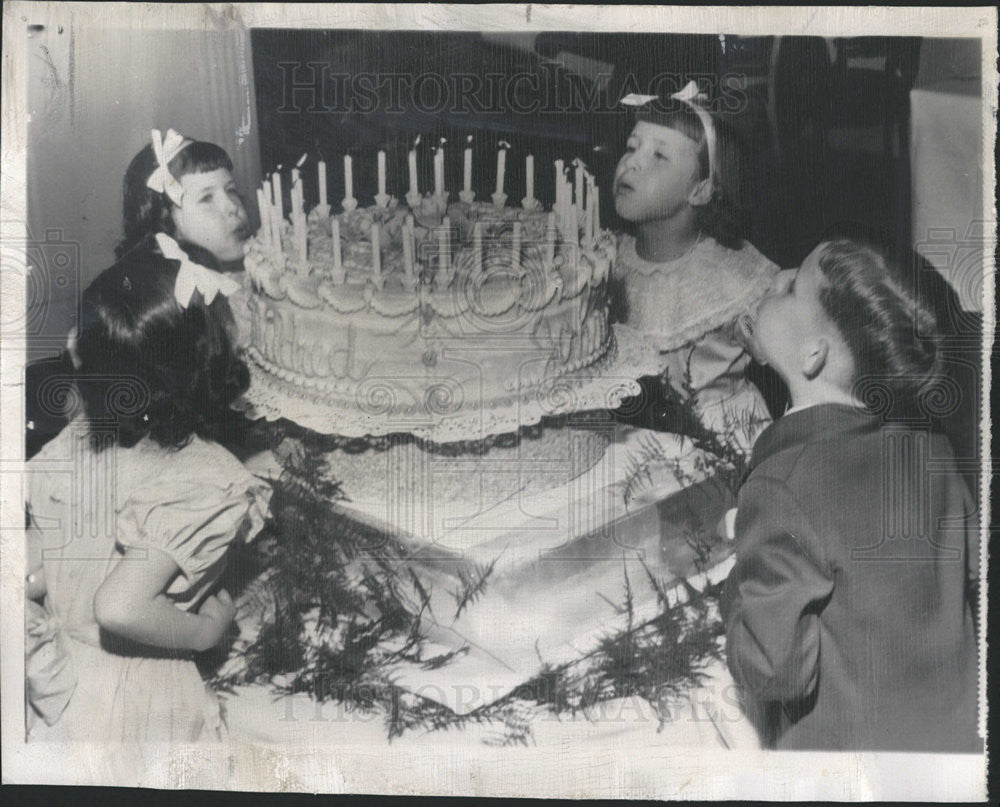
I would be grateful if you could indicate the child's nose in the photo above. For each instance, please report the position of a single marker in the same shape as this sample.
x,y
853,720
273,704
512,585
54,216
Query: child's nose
x,y
232,205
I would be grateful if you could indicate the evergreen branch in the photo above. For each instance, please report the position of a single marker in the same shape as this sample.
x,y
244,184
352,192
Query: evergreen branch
x,y
473,585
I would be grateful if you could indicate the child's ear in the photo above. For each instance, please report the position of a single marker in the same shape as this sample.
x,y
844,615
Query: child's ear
x,y
701,193
814,358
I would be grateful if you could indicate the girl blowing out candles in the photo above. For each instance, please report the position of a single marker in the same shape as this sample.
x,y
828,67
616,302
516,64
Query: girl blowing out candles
x,y
686,271
130,599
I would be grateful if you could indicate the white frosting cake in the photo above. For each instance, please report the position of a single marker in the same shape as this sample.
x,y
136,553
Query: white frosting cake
x,y
470,310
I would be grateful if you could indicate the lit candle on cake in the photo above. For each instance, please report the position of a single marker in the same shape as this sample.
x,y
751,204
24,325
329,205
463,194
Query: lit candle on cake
x,y
529,173
296,194
275,219
439,169
550,240
321,173
477,247
467,167
444,245
265,225
596,208
301,235
501,165
348,177
276,190
338,265
381,172
408,246
376,254
578,186
516,250
413,169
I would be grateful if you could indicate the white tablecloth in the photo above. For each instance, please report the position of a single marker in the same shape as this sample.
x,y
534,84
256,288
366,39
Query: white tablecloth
x,y
946,157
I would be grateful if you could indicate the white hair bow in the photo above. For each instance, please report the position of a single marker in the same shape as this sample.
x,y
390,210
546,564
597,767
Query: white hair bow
x,y
193,276
165,149
634,99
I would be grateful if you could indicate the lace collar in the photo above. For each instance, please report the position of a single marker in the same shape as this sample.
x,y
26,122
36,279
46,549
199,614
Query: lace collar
x,y
682,300
630,259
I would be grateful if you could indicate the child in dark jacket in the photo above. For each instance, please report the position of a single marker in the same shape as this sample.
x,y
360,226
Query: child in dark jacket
x,y
850,612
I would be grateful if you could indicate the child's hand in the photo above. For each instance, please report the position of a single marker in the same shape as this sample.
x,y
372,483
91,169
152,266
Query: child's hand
x,y
34,584
217,613
290,452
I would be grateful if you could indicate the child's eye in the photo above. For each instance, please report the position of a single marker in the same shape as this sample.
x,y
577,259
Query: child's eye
x,y
661,156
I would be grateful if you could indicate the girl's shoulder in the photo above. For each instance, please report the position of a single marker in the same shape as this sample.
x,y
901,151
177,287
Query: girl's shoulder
x,y
199,465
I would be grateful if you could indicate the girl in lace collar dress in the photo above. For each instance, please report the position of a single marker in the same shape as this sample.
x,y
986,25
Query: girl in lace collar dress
x,y
135,504
687,273
687,277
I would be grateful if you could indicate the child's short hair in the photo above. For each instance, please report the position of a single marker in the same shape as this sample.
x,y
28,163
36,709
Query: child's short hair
x,y
145,211
149,366
871,294
723,217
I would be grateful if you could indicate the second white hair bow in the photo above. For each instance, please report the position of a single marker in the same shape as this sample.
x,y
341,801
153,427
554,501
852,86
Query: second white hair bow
x,y
165,149
193,276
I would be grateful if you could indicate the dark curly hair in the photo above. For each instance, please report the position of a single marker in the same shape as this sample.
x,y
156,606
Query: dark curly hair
x,y
145,211
871,293
150,367
722,217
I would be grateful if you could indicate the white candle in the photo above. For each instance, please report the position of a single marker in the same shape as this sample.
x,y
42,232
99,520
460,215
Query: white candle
x,y
265,225
321,171
444,245
529,172
381,172
408,246
596,209
439,171
501,168
376,252
300,238
413,172
550,239
516,251
276,222
276,190
296,193
467,174
335,236
477,246
578,186
348,177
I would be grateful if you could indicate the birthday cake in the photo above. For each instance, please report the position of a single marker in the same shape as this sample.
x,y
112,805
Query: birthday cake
x,y
426,312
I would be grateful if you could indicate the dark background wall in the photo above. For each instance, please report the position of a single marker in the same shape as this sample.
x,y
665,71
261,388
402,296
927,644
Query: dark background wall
x,y
823,122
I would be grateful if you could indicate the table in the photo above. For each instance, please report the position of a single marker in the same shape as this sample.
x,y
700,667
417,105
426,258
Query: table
x,y
561,551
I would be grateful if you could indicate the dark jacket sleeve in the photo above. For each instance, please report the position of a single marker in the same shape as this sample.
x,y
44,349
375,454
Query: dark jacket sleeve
x,y
773,596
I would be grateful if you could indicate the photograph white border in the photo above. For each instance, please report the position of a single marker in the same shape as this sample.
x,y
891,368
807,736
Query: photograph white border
x,y
452,767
